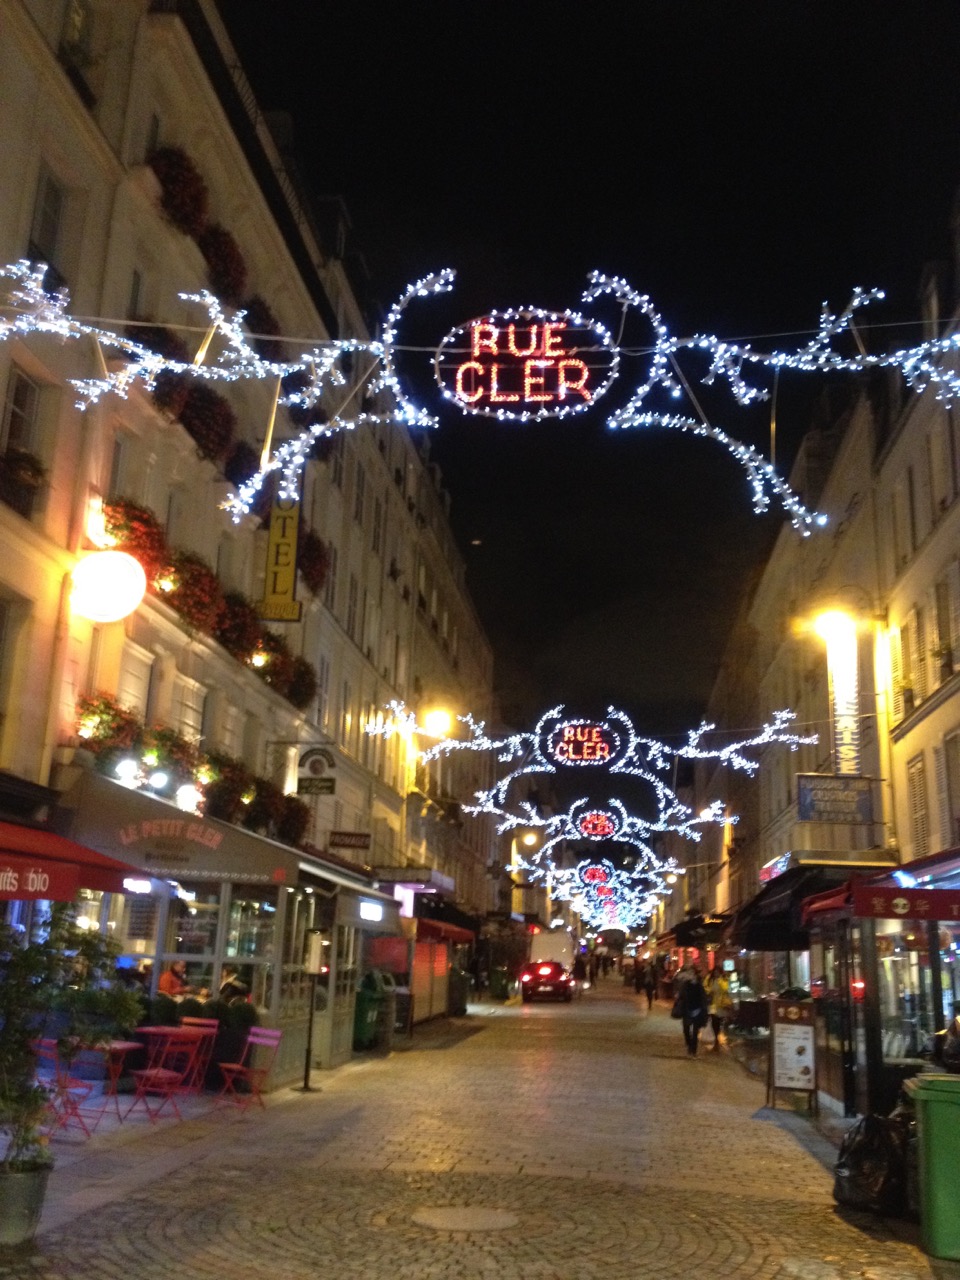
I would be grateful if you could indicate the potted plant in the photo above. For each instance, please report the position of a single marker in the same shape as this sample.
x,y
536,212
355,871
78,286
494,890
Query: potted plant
x,y
225,264
183,192
207,415
65,971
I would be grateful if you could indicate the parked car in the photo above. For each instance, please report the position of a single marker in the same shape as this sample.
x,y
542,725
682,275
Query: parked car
x,y
546,980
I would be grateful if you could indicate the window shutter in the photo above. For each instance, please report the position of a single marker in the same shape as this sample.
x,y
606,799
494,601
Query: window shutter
x,y
943,797
896,675
919,824
919,656
953,584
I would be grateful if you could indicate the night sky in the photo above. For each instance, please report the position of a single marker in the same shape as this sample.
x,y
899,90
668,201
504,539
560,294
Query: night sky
x,y
739,162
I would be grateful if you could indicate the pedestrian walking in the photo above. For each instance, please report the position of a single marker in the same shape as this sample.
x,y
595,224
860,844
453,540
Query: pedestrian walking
x,y
720,1002
650,984
692,999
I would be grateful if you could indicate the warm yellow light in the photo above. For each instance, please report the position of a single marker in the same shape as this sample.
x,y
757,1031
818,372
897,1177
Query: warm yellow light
x,y
529,839
834,625
437,723
107,586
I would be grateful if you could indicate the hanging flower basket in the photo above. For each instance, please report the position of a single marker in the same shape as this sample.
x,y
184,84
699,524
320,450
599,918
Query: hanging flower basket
x,y
313,561
265,328
277,670
225,263
207,415
104,725
194,592
169,391
137,530
294,820
241,463
302,416
183,192
239,628
266,810
22,469
231,783
303,684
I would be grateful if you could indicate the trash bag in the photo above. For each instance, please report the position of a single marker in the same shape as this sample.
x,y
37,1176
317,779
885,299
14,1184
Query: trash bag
x,y
871,1168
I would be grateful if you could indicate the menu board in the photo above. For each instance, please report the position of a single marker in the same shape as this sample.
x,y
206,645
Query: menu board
x,y
792,1053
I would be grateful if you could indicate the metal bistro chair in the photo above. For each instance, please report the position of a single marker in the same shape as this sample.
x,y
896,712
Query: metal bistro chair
x,y
171,1074
252,1070
65,1093
205,1051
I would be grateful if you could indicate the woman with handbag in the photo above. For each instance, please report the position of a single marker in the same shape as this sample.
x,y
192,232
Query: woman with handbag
x,y
692,1001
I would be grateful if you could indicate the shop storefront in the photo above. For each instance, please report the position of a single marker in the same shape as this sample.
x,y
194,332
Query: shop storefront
x,y
217,897
886,977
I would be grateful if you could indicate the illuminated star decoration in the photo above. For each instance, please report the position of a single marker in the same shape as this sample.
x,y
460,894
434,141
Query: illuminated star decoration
x,y
612,747
322,371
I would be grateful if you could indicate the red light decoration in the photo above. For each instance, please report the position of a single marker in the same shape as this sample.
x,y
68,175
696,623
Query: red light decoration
x,y
526,364
582,742
597,825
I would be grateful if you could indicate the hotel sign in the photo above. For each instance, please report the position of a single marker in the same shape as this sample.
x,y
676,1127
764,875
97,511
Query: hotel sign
x,y
834,797
279,603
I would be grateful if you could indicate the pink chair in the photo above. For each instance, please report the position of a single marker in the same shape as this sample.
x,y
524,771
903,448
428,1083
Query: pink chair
x,y
170,1074
252,1070
65,1093
210,1026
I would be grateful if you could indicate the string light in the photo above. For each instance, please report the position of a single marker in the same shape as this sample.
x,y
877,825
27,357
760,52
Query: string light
x,y
542,356
612,746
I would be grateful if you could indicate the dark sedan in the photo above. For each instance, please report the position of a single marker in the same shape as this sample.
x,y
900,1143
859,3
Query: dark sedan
x,y
546,980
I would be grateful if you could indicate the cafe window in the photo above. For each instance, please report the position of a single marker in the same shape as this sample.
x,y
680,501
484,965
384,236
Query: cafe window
x,y
906,1003
21,412
193,919
133,923
133,688
250,923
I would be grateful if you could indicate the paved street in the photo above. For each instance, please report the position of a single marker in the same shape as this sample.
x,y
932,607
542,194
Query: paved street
x,y
566,1142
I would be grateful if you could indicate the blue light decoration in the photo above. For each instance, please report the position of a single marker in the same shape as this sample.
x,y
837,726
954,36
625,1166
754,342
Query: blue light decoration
x,y
547,367
611,746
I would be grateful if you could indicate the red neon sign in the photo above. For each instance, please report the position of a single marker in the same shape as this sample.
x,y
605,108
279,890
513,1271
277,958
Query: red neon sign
x,y
594,875
526,364
582,743
597,824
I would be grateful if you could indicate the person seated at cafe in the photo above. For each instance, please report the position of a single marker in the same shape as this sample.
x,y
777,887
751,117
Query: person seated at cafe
x,y
173,982
231,988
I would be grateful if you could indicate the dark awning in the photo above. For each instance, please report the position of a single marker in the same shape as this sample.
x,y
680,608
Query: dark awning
x,y
701,930
35,863
771,920
442,931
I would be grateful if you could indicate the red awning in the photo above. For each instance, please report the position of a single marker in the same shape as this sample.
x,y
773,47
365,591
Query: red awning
x,y
833,900
446,932
41,864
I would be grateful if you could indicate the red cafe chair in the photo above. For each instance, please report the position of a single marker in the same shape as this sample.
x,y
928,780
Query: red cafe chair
x,y
205,1051
65,1093
170,1074
251,1072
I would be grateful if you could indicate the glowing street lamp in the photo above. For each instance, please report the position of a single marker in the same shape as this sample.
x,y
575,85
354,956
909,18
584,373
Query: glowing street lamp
x,y
838,630
107,586
437,723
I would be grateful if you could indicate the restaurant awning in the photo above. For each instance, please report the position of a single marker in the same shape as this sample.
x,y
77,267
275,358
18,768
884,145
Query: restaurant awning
x,y
702,930
35,863
442,931
772,919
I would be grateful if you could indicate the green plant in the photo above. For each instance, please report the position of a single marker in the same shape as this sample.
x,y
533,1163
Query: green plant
x,y
303,684
277,671
107,730
239,628
265,811
64,969
313,560
232,783
294,820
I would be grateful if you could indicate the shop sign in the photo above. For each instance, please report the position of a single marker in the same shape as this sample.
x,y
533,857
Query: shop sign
x,y
834,797
179,829
896,903
33,878
349,840
597,825
792,1057
279,603
312,776
582,742
775,867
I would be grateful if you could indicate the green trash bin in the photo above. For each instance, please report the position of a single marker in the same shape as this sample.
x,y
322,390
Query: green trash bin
x,y
500,983
370,1000
937,1102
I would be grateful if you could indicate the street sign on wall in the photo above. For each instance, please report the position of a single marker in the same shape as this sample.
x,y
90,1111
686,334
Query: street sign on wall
x,y
834,797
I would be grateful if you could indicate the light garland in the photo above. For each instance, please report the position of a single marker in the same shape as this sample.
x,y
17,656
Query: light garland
x,y
612,746
35,311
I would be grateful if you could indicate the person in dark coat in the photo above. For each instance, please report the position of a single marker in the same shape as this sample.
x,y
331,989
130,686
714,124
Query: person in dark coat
x,y
693,1010
650,984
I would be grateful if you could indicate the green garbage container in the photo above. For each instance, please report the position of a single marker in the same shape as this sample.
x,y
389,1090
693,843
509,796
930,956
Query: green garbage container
x,y
937,1102
370,999
500,983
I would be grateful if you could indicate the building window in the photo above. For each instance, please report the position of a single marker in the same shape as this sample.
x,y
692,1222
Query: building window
x,y
376,541
919,815
188,700
133,687
346,719
330,586
21,412
46,229
323,690
351,619
950,835
336,461
360,494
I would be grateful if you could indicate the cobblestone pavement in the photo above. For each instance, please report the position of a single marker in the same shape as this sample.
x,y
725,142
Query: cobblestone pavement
x,y
566,1142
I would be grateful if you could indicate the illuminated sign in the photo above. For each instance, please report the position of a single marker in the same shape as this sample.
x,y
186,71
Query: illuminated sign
x,y
597,825
526,364
582,742
33,878
834,797
775,867
279,603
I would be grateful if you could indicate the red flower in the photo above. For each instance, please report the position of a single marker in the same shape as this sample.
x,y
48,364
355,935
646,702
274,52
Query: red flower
x,y
196,595
225,263
207,415
137,531
183,191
